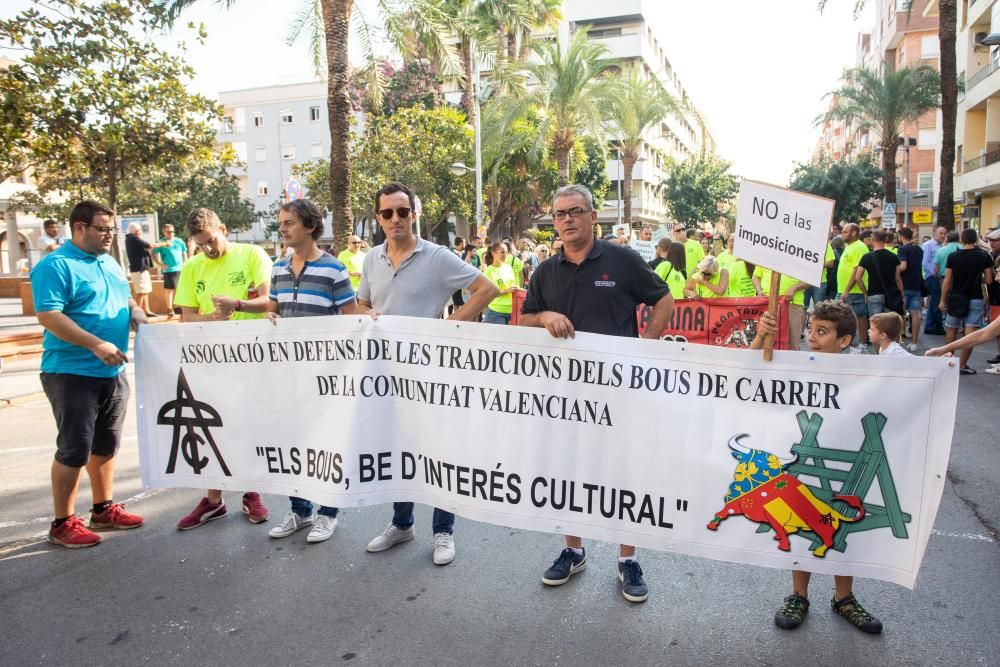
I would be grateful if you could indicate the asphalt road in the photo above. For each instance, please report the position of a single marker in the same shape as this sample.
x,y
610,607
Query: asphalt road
x,y
226,594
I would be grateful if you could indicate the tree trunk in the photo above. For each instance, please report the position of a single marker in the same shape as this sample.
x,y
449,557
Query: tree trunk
x,y
468,86
336,26
628,159
947,22
562,144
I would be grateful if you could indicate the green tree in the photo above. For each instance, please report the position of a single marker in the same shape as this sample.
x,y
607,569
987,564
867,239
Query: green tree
x,y
698,189
948,68
593,173
203,180
635,105
569,95
106,104
885,103
851,183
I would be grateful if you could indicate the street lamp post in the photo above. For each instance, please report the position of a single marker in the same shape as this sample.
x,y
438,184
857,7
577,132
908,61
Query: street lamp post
x,y
906,143
619,186
460,169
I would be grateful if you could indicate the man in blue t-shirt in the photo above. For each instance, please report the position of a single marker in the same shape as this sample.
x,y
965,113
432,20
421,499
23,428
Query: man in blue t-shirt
x,y
172,258
83,300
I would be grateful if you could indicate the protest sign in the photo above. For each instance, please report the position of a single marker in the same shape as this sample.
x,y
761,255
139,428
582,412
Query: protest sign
x,y
645,248
782,230
671,446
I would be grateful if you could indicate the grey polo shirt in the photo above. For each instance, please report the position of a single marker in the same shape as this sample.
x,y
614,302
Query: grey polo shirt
x,y
420,286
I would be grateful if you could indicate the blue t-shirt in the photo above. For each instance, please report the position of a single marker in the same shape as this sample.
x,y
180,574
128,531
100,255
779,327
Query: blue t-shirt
x,y
91,290
172,256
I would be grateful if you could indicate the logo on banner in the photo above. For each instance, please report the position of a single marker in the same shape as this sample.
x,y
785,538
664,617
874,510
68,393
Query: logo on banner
x,y
187,415
766,489
604,282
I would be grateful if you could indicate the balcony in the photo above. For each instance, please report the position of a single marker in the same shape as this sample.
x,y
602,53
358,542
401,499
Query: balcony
x,y
982,161
981,75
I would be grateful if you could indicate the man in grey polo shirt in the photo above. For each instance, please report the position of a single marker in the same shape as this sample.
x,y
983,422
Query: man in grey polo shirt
x,y
406,275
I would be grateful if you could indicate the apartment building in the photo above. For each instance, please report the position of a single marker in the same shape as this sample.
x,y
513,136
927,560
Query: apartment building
x,y
977,132
901,37
269,129
626,29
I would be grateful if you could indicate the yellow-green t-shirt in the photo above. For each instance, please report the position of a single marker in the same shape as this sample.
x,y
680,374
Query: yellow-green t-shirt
x,y
503,277
230,275
693,253
725,258
785,284
740,282
672,277
353,261
703,291
849,261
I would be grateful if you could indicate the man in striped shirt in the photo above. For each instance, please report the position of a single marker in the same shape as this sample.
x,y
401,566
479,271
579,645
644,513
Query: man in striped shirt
x,y
308,282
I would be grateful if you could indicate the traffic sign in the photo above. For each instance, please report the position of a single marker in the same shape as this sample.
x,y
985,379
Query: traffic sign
x,y
888,210
293,189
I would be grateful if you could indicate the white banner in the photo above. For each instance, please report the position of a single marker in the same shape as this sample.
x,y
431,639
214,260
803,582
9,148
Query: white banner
x,y
695,449
782,230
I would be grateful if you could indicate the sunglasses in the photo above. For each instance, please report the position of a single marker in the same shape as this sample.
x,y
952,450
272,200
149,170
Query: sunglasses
x,y
386,214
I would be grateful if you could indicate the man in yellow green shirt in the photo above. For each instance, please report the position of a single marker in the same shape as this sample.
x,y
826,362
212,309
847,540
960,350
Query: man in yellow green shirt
x,y
852,291
353,258
793,290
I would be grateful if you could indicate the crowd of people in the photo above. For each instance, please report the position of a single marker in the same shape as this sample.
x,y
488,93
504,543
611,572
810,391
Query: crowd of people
x,y
84,301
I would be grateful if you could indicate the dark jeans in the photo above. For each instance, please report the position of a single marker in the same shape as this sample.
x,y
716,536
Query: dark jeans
x,y
304,507
935,320
402,517
89,414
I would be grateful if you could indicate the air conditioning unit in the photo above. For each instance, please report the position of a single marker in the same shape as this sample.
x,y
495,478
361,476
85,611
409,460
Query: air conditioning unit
x,y
979,37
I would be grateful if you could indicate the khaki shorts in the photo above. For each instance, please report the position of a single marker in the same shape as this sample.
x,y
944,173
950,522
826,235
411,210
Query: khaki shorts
x,y
142,282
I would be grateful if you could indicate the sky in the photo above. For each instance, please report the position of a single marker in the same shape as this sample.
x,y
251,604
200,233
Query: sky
x,y
758,69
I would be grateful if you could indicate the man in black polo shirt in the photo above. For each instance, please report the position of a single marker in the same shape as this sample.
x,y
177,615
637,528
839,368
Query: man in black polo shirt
x,y
593,286
962,300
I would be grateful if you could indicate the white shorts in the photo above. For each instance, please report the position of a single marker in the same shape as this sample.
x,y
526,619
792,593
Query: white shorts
x,y
142,282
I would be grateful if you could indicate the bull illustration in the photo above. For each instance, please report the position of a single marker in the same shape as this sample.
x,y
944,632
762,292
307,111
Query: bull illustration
x,y
764,493
741,337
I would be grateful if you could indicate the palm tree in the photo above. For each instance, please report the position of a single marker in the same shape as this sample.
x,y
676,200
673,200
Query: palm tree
x,y
947,27
635,104
327,24
885,103
569,94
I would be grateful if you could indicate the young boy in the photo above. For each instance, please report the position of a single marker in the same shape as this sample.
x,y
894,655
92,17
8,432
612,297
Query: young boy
x,y
831,328
885,330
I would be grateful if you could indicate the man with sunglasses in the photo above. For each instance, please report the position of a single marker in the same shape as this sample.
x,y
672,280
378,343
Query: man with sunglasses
x,y
406,275
354,259
83,300
593,286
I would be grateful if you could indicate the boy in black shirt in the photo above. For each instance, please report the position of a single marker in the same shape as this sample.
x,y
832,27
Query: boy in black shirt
x,y
962,291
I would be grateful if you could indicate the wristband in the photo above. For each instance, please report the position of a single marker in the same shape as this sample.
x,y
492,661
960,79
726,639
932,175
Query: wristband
x,y
239,305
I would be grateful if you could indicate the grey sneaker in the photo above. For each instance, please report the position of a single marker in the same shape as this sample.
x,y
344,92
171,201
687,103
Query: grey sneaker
x,y
290,525
322,529
444,548
390,538
634,587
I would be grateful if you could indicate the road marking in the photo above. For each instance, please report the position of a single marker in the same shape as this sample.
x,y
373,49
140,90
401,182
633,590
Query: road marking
x,y
16,556
14,450
965,536
47,519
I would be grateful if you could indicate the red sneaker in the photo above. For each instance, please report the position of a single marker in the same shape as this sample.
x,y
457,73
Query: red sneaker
x,y
73,535
253,508
115,517
203,512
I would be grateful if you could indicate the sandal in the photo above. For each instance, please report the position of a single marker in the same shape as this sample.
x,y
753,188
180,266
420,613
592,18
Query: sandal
x,y
792,612
855,614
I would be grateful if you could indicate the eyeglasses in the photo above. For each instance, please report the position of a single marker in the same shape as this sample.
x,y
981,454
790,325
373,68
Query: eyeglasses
x,y
357,242
106,231
403,212
573,213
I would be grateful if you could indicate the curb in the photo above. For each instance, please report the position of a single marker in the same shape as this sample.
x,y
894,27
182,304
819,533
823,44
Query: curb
x,y
18,400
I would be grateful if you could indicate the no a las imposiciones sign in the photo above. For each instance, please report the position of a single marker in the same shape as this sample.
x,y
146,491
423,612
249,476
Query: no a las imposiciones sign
x,y
782,230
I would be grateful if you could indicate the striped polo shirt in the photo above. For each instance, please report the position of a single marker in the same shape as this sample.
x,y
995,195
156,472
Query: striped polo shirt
x,y
321,288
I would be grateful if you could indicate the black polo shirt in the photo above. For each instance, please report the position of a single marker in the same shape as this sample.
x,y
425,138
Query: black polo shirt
x,y
601,294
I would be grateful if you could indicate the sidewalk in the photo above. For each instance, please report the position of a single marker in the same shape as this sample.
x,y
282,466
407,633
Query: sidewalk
x,y
12,322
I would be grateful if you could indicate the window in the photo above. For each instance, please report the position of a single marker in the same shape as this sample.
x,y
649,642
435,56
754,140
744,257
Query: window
x,y
607,32
314,113
288,152
261,188
227,125
927,138
258,119
286,117
925,181
260,154
316,149
929,46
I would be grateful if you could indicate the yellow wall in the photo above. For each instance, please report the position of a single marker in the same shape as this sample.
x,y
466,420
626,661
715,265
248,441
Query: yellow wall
x,y
989,212
975,134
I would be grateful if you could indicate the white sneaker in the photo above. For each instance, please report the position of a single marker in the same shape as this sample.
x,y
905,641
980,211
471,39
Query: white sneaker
x,y
322,529
444,548
390,538
912,347
992,370
290,524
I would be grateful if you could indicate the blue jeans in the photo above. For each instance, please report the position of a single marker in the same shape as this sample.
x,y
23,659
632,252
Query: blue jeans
x,y
493,317
935,321
876,304
402,517
304,507
814,295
